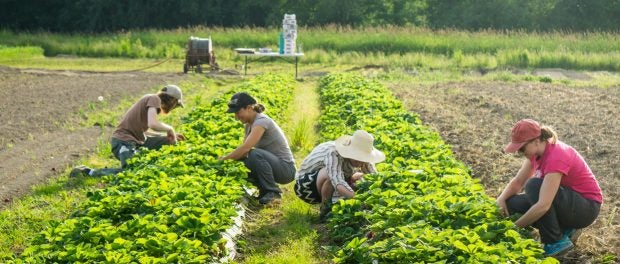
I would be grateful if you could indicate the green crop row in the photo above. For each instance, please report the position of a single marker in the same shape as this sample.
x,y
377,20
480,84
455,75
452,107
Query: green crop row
x,y
171,205
422,206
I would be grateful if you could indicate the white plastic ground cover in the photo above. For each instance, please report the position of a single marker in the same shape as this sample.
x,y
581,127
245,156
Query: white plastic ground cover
x,y
237,227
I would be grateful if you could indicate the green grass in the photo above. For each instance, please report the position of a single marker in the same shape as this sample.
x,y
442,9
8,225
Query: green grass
x,y
302,135
282,233
404,47
96,64
419,67
20,53
301,126
287,232
391,40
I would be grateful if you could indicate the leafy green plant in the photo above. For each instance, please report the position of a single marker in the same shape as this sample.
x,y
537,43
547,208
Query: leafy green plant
x,y
170,205
545,79
422,206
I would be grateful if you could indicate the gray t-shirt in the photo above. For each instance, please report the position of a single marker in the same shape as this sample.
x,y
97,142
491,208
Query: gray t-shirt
x,y
273,140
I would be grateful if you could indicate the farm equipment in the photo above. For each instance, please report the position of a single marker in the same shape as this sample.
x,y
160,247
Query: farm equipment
x,y
199,52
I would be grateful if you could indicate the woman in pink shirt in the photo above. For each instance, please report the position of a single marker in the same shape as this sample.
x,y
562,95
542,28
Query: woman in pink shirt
x,y
560,194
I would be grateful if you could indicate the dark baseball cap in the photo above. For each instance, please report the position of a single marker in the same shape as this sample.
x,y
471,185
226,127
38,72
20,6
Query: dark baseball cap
x,y
238,101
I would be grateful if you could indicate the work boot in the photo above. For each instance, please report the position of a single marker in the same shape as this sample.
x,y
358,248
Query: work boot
x,y
80,170
269,197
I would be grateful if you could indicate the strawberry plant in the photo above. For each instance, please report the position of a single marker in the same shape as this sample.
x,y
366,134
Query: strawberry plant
x,y
171,205
422,206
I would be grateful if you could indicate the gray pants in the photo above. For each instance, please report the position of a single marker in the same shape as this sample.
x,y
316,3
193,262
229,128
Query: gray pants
x,y
568,210
124,150
266,170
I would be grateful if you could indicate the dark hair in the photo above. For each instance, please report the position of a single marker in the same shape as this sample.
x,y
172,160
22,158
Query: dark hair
x,y
546,133
259,108
167,102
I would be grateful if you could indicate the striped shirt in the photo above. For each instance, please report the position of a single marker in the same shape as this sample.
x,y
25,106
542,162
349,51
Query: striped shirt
x,y
339,169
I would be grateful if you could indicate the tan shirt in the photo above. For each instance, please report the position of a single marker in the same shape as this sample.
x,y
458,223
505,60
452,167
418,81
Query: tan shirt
x,y
135,121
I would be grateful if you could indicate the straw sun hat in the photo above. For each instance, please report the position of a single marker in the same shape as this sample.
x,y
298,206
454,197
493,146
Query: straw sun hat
x,y
359,147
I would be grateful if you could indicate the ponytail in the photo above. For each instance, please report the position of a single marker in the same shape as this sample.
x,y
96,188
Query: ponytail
x,y
259,108
546,133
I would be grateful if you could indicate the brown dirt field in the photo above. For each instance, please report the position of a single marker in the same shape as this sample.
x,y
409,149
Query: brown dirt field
x,y
39,113
476,118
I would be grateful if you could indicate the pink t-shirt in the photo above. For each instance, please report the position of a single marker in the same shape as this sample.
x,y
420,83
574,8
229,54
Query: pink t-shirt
x,y
576,174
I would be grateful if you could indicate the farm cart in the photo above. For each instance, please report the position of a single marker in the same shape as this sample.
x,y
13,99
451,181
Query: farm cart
x,y
199,51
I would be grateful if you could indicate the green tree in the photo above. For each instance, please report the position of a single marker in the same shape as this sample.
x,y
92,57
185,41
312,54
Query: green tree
x,y
344,12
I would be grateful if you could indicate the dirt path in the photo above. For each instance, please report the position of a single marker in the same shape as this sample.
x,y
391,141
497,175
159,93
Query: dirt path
x,y
38,107
476,118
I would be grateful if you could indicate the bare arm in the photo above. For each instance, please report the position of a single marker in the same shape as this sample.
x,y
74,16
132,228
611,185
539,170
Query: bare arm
x,y
515,185
550,186
249,142
367,168
153,133
344,191
157,125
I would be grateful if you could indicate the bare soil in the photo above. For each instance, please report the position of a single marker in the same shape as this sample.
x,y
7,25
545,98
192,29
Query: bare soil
x,y
38,108
39,113
476,119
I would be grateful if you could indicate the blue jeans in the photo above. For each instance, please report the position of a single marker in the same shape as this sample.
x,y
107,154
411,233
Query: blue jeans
x,y
124,150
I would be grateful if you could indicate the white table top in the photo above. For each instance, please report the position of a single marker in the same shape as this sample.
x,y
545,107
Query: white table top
x,y
271,54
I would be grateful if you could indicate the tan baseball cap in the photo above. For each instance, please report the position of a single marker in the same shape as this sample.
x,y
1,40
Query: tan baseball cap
x,y
175,92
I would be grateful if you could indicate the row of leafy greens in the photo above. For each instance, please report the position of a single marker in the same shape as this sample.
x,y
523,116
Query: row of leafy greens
x,y
422,206
171,205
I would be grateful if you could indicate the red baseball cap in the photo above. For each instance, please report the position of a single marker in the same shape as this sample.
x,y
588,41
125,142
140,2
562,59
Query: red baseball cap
x,y
522,132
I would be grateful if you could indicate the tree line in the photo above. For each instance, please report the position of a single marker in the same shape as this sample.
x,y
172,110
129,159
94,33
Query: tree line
x,y
115,15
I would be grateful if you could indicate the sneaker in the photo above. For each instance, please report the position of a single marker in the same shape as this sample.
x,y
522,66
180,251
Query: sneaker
x,y
325,211
572,234
558,248
79,170
269,197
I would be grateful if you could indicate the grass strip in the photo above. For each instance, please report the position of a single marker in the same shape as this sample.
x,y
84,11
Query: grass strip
x,y
287,232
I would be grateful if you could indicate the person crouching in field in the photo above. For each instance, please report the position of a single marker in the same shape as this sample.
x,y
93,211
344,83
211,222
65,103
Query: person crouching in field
x,y
132,133
265,150
561,193
331,167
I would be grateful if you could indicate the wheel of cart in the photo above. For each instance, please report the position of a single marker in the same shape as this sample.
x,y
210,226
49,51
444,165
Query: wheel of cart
x,y
199,51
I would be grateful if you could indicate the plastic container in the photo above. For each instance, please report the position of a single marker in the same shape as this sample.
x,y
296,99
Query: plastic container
x,y
281,44
289,32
